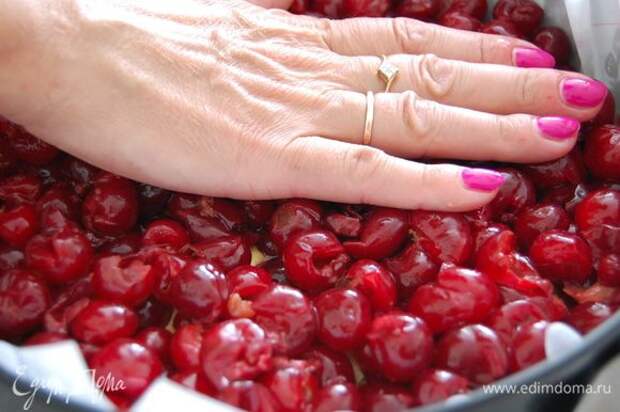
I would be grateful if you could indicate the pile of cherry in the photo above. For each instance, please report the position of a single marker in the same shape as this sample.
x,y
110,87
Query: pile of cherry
x,y
346,307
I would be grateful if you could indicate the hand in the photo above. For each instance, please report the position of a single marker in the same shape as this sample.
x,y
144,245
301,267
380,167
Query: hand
x,y
231,99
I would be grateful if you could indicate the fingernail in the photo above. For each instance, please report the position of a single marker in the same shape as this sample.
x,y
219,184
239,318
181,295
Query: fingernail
x,y
482,179
558,127
583,92
530,57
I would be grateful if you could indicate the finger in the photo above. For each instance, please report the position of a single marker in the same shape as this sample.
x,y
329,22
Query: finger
x,y
272,4
406,125
484,87
320,168
372,36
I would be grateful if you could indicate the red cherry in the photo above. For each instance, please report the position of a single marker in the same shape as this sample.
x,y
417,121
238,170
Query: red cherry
x,y
185,347
343,318
434,385
609,270
124,245
258,212
168,267
526,15
364,8
554,40
425,10
500,27
300,6
30,148
80,175
560,255
459,296
528,344
445,237
474,8
338,397
386,398
157,339
24,299
19,189
598,218
248,281
482,234
18,225
607,114
154,313
344,225
293,217
335,366
568,170
587,316
228,212
152,200
165,232
59,198
10,258
384,232
399,345
535,220
125,361
411,268
127,280
314,260
101,322
67,304
44,338
474,352
516,193
235,350
226,252
602,152
249,396
457,20
287,317
512,315
294,384
374,281
199,291
201,228
111,208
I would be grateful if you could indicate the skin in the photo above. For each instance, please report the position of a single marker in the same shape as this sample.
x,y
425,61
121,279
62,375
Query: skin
x,y
232,99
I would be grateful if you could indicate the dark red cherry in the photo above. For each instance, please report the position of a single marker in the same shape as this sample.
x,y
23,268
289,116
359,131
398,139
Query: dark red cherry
x,y
607,114
228,212
602,152
335,366
258,212
101,322
185,347
294,384
226,252
167,266
516,193
418,9
560,255
24,298
165,232
608,273
475,8
526,15
67,304
293,217
587,316
445,237
154,313
30,148
535,220
364,8
10,258
500,27
157,339
18,225
58,198
249,396
484,233
568,170
512,315
344,225
80,175
411,268
248,281
554,40
434,385
457,20
598,219
111,208
374,281
152,200
124,279
19,189
528,344
383,233
337,397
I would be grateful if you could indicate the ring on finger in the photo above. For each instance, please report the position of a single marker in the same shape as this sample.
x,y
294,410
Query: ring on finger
x,y
387,72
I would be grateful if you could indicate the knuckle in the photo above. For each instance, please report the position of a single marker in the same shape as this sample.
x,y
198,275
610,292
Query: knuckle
x,y
430,175
527,85
411,34
509,131
436,76
420,120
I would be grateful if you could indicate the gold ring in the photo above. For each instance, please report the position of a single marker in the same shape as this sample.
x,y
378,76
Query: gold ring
x,y
387,72
370,117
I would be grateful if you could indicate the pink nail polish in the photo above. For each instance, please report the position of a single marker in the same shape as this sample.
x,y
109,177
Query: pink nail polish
x,y
531,57
482,179
582,92
558,127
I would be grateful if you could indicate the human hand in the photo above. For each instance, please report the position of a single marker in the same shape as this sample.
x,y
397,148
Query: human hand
x,y
231,99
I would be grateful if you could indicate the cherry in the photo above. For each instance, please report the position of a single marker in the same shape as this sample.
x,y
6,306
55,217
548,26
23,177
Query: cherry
x,y
474,352
228,212
344,225
598,219
10,258
605,116
111,207
474,8
526,15
399,345
248,281
445,237
154,313
294,384
528,344
568,170
59,198
30,148
59,255
80,175
411,268
249,396
516,193
587,316
554,40
293,217
459,296
44,338
343,318
168,266
608,273
560,255
314,260
157,339
457,20
126,361
512,315
19,189
226,252
152,200
337,397
67,304
124,279
374,281
418,9
300,6
18,225
385,398
199,291
434,385
123,245
24,299
364,8
287,317
384,232
235,350
500,27
181,203
202,228
259,212
335,366
602,152
165,232
101,322
592,293
535,220
484,233
185,347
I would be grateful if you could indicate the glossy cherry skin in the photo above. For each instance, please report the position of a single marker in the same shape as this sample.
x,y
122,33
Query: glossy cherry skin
x,y
235,350
66,306
512,315
516,193
587,316
399,345
259,212
165,232
58,198
294,384
434,385
500,27
460,21
293,217
568,170
44,338
411,269
80,175
459,296
111,208
386,398
249,396
554,40
10,258
474,352
364,8
288,318
154,313
18,225
19,189
199,291
314,260
528,344
30,148
167,266
374,281
227,211
226,252
201,228
185,347
607,114
482,234
344,225
126,361
383,233
101,322
248,281
560,255
475,8
335,366
602,152
608,273
343,318
598,219
445,237
124,279
152,200
337,397
418,9
535,220
24,298
157,339
526,15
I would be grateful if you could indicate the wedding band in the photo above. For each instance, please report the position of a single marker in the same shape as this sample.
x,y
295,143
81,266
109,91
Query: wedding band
x,y
370,117
387,72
